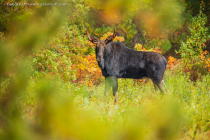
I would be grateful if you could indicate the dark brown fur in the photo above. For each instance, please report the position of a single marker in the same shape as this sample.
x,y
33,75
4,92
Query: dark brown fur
x,y
118,61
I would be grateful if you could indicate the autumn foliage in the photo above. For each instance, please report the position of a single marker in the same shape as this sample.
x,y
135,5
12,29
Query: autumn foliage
x,y
52,88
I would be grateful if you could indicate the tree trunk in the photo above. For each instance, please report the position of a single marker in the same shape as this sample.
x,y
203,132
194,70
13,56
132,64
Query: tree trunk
x,y
136,37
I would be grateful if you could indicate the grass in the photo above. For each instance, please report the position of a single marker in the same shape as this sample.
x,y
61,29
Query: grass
x,y
56,110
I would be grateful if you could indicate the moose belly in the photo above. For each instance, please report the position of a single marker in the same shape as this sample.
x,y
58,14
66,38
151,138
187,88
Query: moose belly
x,y
135,73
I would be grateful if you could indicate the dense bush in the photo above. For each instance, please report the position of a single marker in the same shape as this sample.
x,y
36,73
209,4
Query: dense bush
x,y
192,49
52,88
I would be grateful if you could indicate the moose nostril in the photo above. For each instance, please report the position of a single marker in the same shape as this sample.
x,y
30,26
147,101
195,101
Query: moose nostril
x,y
99,58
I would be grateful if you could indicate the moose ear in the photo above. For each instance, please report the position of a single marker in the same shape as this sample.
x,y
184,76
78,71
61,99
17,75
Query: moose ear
x,y
92,38
111,38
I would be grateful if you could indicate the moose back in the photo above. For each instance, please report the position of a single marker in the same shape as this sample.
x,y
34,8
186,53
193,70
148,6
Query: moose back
x,y
118,61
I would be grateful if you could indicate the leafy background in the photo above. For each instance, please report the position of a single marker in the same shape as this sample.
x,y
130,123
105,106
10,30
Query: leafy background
x,y
52,87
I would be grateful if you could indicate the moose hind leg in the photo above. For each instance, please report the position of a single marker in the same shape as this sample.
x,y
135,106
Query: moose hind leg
x,y
156,87
160,85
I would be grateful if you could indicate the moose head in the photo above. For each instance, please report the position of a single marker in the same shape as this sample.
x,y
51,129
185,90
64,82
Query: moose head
x,y
100,46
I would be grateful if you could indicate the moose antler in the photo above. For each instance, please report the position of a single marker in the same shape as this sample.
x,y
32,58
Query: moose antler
x,y
91,38
111,38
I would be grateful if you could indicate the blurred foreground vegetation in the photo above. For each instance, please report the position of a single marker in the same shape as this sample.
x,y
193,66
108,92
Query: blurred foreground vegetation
x,y
52,88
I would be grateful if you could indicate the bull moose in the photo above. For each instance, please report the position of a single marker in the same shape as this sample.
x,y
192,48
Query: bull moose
x,y
118,61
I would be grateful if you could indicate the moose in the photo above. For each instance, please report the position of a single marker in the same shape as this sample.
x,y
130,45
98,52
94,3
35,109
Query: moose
x,y
118,61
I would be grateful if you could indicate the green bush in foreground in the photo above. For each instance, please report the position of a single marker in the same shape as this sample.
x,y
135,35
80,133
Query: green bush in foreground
x,y
57,110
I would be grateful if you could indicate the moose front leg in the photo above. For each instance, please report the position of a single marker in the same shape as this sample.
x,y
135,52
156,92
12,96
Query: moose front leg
x,y
108,83
111,82
115,88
